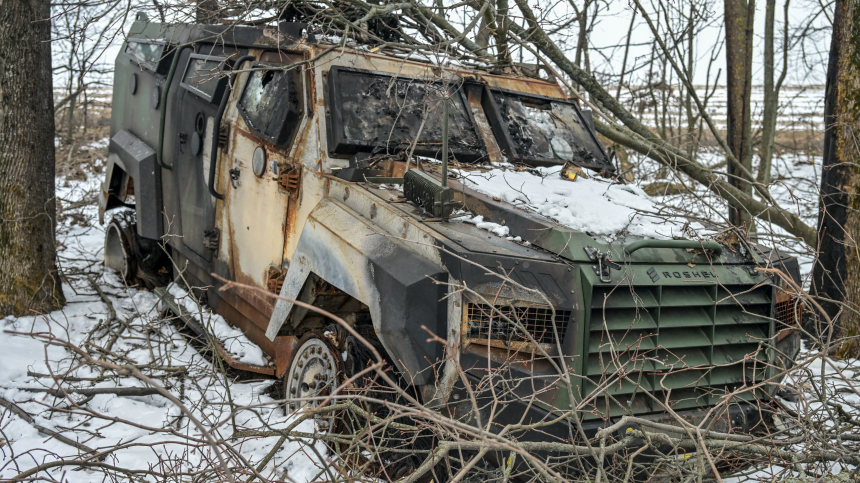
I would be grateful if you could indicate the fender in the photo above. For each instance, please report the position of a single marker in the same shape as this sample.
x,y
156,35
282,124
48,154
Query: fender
x,y
397,284
137,160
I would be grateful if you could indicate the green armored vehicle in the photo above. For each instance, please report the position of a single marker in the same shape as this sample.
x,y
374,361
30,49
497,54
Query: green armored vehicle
x,y
259,156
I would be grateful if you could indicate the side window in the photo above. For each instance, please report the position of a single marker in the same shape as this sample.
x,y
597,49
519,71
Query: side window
x,y
271,103
149,54
204,76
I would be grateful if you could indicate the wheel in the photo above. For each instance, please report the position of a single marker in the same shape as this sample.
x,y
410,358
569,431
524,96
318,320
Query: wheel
x,y
119,253
312,373
321,364
139,261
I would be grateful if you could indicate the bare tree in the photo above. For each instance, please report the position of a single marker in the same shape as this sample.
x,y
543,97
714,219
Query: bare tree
x,y
835,277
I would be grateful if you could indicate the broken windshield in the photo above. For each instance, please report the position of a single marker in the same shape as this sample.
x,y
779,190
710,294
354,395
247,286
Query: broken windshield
x,y
377,112
542,131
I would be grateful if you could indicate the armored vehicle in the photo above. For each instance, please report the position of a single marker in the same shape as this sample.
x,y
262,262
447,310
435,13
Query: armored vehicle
x,y
259,156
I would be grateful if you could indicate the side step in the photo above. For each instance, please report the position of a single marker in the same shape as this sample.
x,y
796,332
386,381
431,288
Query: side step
x,y
198,329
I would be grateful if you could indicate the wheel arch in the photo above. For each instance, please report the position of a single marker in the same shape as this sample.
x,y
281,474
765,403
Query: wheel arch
x,y
398,285
132,166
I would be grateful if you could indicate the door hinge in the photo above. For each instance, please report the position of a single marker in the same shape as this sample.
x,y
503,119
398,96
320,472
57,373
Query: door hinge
x,y
223,136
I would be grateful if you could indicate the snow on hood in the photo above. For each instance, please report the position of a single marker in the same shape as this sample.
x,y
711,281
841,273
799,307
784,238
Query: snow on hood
x,y
596,206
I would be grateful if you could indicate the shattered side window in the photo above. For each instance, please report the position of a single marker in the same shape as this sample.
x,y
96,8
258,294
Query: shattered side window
x,y
271,104
545,132
381,113
147,54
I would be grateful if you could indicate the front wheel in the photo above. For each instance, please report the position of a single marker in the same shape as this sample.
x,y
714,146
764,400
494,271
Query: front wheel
x,y
370,441
312,375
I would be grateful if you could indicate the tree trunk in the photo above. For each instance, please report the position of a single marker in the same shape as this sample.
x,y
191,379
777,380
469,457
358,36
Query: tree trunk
x,y
836,276
739,32
28,258
503,23
771,90
771,98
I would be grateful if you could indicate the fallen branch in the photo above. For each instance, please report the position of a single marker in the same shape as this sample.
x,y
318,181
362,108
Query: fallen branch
x,y
41,429
93,391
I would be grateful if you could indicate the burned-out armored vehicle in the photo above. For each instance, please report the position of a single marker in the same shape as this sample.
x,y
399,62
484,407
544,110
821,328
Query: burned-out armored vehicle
x,y
259,156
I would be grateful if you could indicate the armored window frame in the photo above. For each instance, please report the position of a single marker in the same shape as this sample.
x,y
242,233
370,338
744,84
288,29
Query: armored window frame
x,y
211,95
339,144
158,64
509,147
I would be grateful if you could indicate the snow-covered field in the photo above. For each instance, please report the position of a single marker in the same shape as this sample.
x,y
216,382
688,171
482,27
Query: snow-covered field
x,y
801,108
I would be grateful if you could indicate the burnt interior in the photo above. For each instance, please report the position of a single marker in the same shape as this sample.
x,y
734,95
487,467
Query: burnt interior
x,y
541,131
271,103
385,114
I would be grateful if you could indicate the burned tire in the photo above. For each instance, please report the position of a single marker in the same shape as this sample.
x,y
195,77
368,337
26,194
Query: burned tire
x,y
312,373
321,364
139,261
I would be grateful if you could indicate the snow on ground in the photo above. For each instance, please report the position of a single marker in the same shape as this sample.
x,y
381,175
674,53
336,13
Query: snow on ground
x,y
817,424
234,340
149,432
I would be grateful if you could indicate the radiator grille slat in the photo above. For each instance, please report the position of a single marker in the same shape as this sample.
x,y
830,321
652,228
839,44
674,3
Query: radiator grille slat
x,y
694,343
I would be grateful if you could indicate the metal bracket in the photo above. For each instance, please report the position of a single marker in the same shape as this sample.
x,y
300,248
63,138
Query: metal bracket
x,y
234,176
604,266
289,178
211,239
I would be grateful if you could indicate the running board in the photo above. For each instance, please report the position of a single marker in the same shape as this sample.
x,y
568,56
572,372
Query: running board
x,y
201,332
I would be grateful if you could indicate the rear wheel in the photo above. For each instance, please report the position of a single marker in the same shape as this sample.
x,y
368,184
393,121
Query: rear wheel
x,y
139,261
118,248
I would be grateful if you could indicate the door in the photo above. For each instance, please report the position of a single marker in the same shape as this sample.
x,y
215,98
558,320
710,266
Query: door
x,y
203,85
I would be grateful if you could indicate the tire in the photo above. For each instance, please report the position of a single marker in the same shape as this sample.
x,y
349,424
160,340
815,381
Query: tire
x,y
347,358
140,261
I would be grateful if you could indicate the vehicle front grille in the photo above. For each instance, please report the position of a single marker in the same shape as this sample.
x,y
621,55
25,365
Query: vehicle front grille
x,y
787,311
689,345
484,323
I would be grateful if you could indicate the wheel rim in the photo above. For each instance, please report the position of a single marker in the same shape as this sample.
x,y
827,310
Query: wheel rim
x,y
312,374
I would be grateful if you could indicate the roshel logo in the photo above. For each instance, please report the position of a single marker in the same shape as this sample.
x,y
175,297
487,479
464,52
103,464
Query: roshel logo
x,y
652,272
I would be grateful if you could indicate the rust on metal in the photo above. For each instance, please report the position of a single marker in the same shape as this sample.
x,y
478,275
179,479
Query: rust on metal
x,y
275,279
242,366
289,178
285,345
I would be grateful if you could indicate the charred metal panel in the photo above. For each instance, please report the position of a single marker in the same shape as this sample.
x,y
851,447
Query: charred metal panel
x,y
378,112
138,160
395,282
